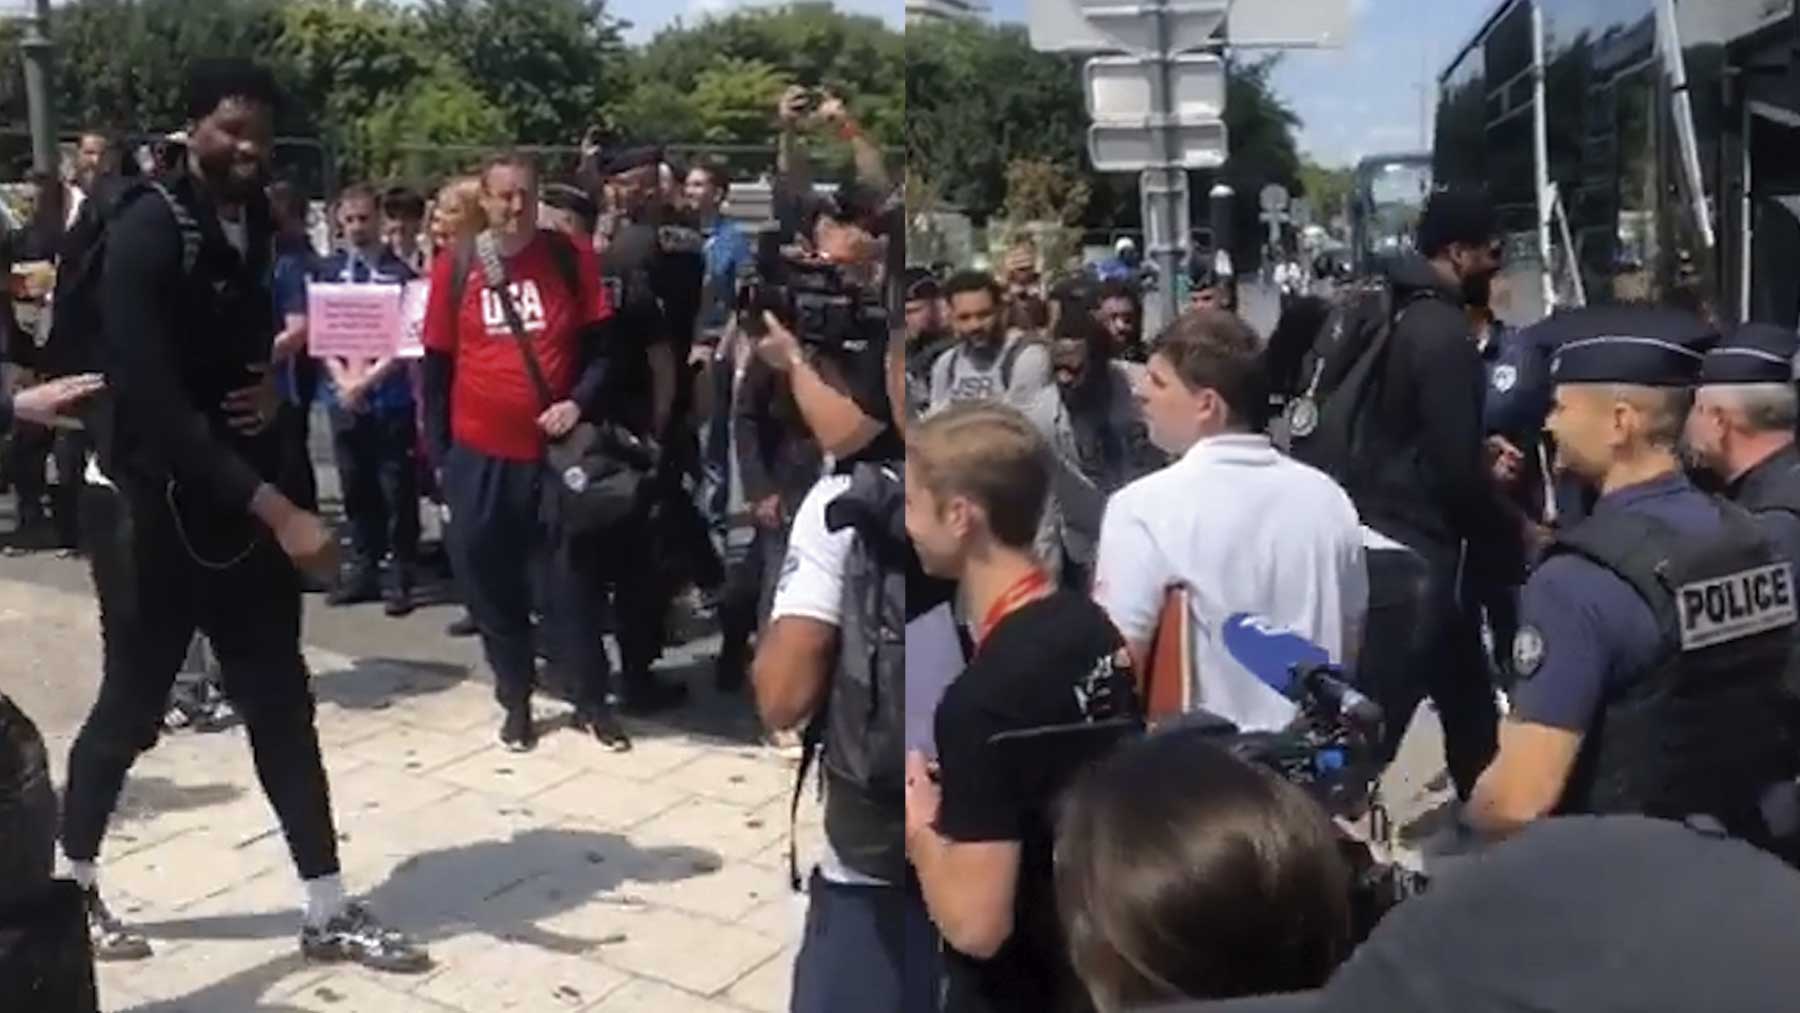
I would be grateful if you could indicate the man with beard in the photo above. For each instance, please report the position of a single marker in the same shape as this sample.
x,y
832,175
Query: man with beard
x,y
984,363
1121,312
1741,428
1418,474
187,529
926,336
1095,430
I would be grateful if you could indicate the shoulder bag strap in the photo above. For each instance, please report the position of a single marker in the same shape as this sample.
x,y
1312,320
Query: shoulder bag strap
x,y
493,267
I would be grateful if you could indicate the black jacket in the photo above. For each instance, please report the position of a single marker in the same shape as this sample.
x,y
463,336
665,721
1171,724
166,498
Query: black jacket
x,y
1428,485
174,345
776,452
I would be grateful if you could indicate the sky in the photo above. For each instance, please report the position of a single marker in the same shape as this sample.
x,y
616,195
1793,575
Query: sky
x,y
647,16
1364,99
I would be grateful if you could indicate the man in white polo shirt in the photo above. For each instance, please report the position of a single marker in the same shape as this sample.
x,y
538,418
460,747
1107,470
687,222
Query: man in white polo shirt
x,y
1254,536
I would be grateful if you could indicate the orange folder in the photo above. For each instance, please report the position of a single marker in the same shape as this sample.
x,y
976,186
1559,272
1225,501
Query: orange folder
x,y
1167,687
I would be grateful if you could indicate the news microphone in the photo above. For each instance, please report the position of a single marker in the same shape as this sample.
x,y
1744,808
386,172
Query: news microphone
x,y
1293,666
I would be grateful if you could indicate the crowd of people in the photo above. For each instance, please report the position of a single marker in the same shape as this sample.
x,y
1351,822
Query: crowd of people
x,y
603,417
1576,538
1048,602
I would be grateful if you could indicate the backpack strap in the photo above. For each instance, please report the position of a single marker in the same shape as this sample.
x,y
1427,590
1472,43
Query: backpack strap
x,y
184,222
1009,359
493,267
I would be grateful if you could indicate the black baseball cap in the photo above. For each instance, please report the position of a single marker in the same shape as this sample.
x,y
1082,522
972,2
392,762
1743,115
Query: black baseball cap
x,y
920,283
1580,914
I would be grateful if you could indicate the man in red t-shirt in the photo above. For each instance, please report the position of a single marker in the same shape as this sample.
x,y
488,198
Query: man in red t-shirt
x,y
488,429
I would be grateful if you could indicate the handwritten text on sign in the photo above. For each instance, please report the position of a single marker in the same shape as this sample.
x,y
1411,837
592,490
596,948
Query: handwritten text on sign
x,y
353,321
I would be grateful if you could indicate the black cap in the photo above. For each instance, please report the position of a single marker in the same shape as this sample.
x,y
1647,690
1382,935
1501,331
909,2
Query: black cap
x,y
1579,914
614,161
1638,345
565,197
1457,215
1755,353
920,283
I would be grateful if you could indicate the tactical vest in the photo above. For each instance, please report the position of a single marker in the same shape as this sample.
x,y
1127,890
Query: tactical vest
x,y
1779,490
1708,727
860,733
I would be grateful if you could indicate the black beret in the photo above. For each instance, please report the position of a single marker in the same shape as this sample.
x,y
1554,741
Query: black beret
x,y
1638,345
1755,353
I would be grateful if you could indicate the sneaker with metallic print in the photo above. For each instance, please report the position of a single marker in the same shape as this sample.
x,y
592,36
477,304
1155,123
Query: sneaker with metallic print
x,y
355,936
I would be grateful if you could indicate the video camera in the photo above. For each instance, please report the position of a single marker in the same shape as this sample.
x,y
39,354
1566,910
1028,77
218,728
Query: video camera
x,y
813,298
1331,750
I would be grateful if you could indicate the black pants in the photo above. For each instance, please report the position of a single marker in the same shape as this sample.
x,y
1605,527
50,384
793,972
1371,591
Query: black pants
x,y
377,459
749,594
32,448
153,596
1421,641
297,480
871,949
498,527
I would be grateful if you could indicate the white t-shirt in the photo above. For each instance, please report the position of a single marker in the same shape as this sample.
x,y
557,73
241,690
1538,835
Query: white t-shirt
x,y
812,587
1253,535
957,376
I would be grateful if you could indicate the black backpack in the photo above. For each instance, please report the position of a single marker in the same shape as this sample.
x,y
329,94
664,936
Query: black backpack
x,y
1325,421
74,342
857,738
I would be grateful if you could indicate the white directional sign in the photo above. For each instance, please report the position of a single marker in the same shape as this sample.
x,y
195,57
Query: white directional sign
x,y
1289,24
1275,197
1119,88
1117,147
1118,26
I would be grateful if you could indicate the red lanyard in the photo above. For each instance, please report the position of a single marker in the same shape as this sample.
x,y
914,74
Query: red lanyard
x,y
1022,593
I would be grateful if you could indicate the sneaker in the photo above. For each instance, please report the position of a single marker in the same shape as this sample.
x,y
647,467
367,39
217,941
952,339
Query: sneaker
x,y
649,696
463,627
602,723
355,936
517,733
110,938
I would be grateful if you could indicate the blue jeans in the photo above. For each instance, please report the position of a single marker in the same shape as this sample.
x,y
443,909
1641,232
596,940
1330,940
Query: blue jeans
x,y
871,949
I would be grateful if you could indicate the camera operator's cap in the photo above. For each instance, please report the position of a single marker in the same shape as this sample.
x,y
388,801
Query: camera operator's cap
x,y
1637,345
615,161
565,197
1578,914
1754,353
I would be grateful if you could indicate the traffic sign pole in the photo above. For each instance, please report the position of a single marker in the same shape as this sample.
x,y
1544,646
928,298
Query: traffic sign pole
x,y
1164,186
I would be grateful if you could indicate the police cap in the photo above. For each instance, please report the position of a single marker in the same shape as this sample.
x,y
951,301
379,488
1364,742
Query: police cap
x,y
1754,353
1578,914
920,283
1638,345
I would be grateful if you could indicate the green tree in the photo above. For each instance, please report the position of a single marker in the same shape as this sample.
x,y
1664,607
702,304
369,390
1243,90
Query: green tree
x,y
733,99
809,43
548,65
1328,189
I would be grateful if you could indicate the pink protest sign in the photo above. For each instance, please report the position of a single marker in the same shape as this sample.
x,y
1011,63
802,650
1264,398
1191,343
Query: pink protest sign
x,y
352,321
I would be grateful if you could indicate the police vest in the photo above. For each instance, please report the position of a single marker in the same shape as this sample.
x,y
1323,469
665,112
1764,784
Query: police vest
x,y
1707,728
1773,485
859,735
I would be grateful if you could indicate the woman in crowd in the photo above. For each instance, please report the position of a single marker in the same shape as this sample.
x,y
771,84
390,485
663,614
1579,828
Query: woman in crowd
x,y
1185,872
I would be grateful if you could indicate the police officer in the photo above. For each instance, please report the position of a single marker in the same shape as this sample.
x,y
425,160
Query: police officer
x,y
1654,638
654,269
1741,429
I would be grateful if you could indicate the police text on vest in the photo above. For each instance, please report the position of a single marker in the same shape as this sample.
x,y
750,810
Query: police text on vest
x,y
1736,606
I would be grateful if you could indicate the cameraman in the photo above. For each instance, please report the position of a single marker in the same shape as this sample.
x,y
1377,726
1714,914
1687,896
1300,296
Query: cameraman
x,y
867,930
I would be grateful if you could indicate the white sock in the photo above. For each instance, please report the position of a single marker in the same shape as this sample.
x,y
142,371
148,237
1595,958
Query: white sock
x,y
85,874
324,899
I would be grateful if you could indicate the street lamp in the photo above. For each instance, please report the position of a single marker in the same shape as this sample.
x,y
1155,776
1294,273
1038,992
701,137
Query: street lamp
x,y
36,46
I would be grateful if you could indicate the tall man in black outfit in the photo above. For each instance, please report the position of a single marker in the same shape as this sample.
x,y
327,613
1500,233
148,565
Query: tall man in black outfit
x,y
187,531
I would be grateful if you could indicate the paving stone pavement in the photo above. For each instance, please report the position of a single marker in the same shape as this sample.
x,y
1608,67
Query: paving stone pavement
x,y
569,879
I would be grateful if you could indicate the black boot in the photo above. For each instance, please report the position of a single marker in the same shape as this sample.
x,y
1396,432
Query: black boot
x,y
397,596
